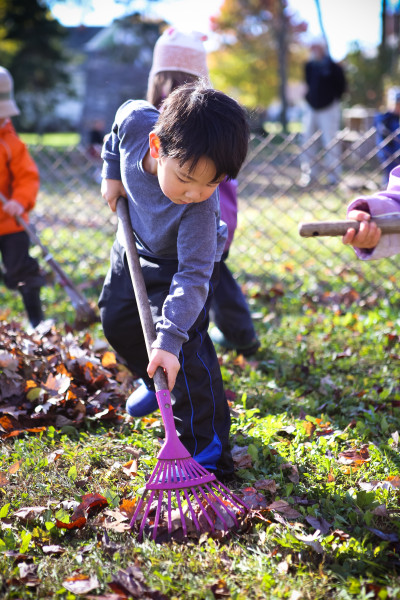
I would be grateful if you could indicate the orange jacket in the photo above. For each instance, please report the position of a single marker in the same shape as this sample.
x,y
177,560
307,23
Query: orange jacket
x,y
19,177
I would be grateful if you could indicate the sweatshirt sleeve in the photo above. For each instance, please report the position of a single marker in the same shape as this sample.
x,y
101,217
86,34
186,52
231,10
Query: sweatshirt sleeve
x,y
387,204
197,244
25,176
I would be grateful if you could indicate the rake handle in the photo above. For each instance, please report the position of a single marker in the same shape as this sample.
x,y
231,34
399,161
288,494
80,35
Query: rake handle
x,y
387,224
139,287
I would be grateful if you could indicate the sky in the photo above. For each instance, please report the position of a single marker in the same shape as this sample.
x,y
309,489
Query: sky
x,y
344,21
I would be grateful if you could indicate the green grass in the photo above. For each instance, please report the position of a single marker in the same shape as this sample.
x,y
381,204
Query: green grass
x,y
60,140
325,382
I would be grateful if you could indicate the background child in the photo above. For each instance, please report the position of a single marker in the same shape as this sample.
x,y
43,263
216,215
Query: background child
x,y
169,165
19,184
179,58
387,134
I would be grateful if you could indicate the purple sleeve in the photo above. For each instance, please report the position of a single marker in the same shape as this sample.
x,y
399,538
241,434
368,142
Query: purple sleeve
x,y
228,207
385,203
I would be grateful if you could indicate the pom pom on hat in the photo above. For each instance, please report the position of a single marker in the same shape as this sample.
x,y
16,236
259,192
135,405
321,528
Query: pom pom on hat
x,y
179,51
8,108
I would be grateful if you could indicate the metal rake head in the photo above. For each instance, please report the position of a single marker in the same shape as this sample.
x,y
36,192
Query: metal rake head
x,y
186,492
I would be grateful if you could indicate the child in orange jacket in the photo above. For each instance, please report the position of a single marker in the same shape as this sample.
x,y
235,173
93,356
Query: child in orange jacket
x,y
19,185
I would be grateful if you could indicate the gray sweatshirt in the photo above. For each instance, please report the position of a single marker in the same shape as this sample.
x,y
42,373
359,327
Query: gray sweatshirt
x,y
192,233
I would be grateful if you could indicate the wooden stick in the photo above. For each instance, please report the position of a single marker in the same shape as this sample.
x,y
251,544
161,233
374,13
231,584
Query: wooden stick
x,y
387,224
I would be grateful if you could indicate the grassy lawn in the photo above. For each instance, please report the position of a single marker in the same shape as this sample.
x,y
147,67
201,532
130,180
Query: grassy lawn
x,y
315,425
315,428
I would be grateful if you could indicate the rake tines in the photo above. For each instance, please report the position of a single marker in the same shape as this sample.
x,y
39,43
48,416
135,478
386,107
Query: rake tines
x,y
186,484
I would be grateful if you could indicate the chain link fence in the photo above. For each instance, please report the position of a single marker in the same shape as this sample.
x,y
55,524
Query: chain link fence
x,y
74,222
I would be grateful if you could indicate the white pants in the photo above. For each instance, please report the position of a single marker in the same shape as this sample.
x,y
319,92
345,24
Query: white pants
x,y
327,121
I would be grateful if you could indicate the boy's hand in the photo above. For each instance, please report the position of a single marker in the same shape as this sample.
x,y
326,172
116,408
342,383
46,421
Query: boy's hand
x,y
111,190
14,208
367,236
168,362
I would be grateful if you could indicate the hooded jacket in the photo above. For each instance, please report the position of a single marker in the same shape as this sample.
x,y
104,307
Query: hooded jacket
x,y
19,177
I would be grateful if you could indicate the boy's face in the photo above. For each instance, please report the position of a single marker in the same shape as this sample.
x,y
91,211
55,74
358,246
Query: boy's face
x,y
179,184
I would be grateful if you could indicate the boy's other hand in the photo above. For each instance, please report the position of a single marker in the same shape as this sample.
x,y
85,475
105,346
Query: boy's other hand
x,y
14,208
367,236
111,190
168,362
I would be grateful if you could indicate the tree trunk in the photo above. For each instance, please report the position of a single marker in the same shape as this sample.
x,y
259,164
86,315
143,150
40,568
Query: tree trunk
x,y
281,38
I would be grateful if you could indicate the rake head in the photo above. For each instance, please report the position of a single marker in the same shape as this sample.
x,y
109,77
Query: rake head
x,y
183,488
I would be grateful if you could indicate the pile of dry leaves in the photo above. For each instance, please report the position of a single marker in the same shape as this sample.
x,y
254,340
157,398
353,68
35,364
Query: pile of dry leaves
x,y
47,378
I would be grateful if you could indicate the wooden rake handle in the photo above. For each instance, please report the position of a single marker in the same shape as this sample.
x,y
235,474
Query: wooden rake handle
x,y
387,224
139,287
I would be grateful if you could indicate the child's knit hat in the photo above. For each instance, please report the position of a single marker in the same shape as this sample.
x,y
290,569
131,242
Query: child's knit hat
x,y
179,51
8,108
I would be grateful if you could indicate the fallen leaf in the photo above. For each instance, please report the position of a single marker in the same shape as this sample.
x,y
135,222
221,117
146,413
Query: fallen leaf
x,y
319,523
4,479
53,549
15,467
29,513
284,508
354,456
266,484
109,359
81,584
293,475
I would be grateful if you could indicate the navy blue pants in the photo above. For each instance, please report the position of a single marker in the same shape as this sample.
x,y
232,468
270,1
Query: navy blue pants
x,y
229,310
200,408
22,273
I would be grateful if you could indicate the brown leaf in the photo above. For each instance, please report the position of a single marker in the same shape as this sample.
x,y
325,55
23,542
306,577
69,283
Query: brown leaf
x,y
76,524
58,384
53,549
128,507
294,473
15,466
9,423
220,590
29,513
241,458
319,523
109,359
88,504
284,508
266,484
4,479
355,456
81,584
253,499
394,481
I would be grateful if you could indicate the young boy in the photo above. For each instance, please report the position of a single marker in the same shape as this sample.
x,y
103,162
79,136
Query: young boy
x,y
19,185
169,165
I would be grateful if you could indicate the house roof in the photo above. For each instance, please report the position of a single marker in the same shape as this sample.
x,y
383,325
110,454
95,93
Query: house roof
x,y
78,37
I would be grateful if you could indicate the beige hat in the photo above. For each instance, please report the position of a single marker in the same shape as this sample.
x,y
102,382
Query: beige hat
x,y
179,51
8,108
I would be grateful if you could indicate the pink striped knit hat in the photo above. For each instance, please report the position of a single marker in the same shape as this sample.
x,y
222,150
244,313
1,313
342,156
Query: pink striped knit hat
x,y
179,51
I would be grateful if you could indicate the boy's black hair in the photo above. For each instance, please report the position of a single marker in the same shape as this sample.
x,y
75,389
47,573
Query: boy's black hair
x,y
198,121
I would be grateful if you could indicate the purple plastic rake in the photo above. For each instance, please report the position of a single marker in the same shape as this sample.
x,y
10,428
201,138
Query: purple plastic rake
x,y
177,478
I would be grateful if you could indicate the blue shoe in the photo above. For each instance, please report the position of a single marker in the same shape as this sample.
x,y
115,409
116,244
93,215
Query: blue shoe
x,y
141,402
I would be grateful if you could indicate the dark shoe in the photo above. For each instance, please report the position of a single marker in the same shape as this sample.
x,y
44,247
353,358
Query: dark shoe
x,y
141,402
33,305
218,338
